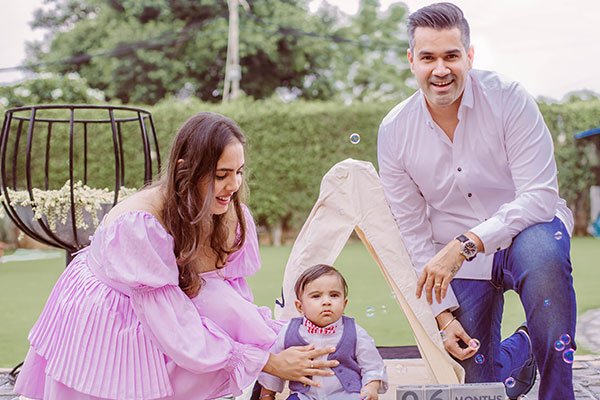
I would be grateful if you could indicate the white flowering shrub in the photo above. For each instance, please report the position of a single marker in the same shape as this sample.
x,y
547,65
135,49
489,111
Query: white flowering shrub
x,y
54,206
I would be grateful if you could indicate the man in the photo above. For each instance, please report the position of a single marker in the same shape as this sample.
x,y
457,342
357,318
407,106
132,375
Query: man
x,y
468,169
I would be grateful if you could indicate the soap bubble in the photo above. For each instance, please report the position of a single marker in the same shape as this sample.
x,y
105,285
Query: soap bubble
x,y
568,356
479,359
509,382
559,345
354,138
384,309
558,235
401,369
370,312
547,302
565,338
443,335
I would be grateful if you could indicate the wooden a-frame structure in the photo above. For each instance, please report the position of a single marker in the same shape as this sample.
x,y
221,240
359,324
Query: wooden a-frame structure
x,y
351,199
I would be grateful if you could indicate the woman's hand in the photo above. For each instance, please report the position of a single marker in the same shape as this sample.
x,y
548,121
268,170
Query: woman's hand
x,y
454,333
297,363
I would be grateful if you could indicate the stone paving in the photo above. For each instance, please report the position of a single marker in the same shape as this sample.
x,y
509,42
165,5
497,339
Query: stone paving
x,y
588,330
586,379
586,368
6,392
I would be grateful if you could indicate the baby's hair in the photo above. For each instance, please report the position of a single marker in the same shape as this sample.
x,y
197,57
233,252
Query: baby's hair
x,y
315,272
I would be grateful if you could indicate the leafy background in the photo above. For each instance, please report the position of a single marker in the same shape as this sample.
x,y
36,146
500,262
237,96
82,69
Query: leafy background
x,y
292,145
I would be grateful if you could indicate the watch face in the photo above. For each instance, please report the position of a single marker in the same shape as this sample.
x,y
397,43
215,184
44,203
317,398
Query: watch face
x,y
469,248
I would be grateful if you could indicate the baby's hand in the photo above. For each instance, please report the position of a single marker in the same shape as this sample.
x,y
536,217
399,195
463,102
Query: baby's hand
x,y
369,391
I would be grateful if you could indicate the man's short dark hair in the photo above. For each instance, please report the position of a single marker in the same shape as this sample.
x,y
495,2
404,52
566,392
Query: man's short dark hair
x,y
439,16
315,272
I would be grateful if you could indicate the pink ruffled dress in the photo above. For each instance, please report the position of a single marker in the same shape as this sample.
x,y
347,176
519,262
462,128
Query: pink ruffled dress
x,y
117,325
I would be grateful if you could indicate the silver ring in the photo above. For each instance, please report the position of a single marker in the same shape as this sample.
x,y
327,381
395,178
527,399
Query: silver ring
x,y
312,366
438,285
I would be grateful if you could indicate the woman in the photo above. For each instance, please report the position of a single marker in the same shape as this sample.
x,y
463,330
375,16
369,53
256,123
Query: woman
x,y
157,306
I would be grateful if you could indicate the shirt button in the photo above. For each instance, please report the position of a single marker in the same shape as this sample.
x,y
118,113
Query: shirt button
x,y
459,169
470,194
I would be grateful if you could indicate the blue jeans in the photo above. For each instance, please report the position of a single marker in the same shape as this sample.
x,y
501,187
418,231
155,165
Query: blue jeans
x,y
537,266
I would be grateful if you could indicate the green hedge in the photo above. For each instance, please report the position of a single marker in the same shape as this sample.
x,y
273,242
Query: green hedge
x,y
575,172
291,146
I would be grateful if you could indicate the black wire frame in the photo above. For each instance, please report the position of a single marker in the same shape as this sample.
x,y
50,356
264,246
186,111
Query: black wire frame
x,y
149,144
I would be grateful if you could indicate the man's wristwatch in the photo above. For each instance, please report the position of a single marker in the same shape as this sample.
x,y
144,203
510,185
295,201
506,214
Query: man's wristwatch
x,y
468,248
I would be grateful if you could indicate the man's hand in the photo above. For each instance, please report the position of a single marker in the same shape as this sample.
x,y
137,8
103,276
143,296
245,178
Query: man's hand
x,y
439,271
454,333
369,391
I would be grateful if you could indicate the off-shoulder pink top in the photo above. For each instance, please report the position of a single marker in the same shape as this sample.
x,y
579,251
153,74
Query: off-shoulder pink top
x,y
117,325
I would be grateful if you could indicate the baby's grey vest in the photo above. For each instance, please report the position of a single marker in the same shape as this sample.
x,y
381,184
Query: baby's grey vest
x,y
348,372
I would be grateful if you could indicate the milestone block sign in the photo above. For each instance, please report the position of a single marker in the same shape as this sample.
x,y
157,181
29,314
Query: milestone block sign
x,y
469,391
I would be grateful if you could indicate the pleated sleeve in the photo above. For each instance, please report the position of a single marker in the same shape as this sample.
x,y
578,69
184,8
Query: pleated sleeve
x,y
140,256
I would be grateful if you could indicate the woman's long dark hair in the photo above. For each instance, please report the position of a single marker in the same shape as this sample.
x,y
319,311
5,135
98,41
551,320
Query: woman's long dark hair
x,y
186,212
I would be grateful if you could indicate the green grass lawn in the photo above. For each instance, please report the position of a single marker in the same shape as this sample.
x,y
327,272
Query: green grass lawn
x,y
25,285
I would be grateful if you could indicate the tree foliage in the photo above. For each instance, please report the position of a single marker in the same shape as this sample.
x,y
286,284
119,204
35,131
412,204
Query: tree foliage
x,y
50,88
377,69
143,51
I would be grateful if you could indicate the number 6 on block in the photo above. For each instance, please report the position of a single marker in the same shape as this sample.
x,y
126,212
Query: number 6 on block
x,y
423,393
410,393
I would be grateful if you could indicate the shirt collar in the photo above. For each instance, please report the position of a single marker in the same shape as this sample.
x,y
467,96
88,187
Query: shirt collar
x,y
467,98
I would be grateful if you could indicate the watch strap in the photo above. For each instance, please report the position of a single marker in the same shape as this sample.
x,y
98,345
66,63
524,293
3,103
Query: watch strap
x,y
462,238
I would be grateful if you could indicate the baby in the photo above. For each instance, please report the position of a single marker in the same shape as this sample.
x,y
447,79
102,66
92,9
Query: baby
x,y
322,295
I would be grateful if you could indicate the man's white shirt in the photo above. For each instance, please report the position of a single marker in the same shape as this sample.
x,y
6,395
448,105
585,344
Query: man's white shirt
x,y
496,178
